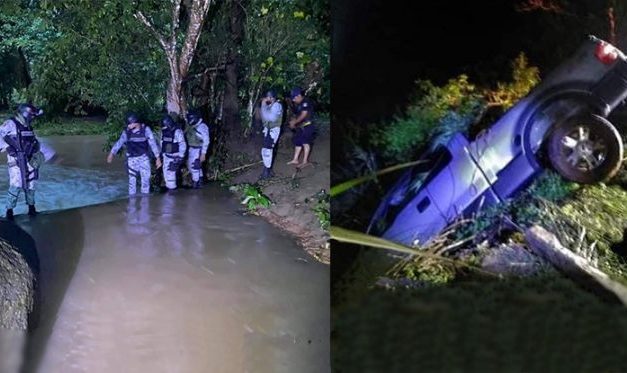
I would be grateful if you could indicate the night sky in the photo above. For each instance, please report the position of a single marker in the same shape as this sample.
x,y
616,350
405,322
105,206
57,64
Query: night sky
x,y
381,47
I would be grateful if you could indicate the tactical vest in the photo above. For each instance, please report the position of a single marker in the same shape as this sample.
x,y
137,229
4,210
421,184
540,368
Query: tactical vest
x,y
24,140
168,145
137,143
193,136
273,124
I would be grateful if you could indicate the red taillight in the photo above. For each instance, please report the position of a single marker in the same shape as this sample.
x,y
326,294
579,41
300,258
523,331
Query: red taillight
x,y
606,53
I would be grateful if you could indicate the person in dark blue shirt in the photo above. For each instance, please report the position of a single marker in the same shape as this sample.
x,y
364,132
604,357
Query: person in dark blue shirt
x,y
303,126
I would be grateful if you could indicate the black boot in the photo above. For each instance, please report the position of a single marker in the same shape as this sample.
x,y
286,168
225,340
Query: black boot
x,y
9,214
31,210
196,184
266,174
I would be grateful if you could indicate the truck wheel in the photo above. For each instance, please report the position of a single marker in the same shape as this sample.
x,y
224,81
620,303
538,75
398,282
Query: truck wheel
x,y
585,149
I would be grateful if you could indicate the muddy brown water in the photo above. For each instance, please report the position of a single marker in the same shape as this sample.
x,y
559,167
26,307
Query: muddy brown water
x,y
173,283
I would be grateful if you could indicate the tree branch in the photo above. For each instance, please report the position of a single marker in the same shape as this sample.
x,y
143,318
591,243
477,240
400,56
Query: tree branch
x,y
176,12
198,13
140,16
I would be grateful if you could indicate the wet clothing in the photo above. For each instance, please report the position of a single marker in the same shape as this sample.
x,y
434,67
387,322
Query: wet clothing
x,y
16,137
271,117
173,148
138,167
138,143
197,137
193,163
305,130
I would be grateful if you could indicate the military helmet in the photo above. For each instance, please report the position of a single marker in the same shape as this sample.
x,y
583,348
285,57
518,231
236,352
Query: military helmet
x,y
167,122
132,118
28,111
193,116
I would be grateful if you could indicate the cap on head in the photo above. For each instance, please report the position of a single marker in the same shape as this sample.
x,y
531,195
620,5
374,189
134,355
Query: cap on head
x,y
193,116
297,91
132,118
270,93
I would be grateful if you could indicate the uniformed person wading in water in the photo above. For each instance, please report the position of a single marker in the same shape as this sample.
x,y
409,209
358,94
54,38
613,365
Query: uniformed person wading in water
x,y
139,140
197,136
173,148
271,117
25,155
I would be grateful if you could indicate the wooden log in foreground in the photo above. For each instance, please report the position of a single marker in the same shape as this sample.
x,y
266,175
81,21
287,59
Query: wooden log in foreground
x,y
547,246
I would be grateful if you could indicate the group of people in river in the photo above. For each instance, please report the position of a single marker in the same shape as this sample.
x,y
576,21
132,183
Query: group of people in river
x,y
25,153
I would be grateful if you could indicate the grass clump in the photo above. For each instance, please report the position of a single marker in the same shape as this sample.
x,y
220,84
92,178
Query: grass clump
x,y
322,209
253,196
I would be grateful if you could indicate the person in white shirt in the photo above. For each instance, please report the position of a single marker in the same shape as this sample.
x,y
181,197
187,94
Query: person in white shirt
x,y
271,117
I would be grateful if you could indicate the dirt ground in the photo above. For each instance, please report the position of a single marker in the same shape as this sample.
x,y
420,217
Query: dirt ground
x,y
295,193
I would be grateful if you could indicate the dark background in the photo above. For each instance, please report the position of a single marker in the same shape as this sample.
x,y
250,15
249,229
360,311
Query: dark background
x,y
381,47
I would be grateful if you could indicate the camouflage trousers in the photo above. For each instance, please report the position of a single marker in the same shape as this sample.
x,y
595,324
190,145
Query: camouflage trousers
x,y
15,184
138,167
171,164
193,163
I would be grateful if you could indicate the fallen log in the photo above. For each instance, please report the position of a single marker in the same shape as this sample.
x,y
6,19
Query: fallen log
x,y
544,244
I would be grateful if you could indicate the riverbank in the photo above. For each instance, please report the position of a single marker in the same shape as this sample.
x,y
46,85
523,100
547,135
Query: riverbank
x,y
299,198
300,204
66,126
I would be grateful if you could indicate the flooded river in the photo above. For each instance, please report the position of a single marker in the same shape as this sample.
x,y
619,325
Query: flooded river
x,y
167,283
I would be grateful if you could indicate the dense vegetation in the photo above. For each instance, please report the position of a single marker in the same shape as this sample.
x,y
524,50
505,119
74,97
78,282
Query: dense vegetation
x,y
438,310
108,57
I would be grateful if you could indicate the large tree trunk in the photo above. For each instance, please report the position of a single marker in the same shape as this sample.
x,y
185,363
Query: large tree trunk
x,y
179,65
231,104
173,97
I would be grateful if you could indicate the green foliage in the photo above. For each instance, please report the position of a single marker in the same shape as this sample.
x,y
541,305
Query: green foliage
x,y
105,58
284,46
428,270
253,196
525,77
23,38
322,210
72,126
525,209
437,111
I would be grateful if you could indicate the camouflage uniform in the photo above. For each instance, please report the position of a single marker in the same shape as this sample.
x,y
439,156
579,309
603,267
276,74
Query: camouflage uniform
x,y
197,136
138,142
36,154
173,149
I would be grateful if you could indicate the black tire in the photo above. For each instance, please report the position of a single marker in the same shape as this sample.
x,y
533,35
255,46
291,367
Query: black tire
x,y
586,149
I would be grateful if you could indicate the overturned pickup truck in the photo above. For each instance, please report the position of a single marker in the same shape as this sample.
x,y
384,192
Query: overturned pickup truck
x,y
561,123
